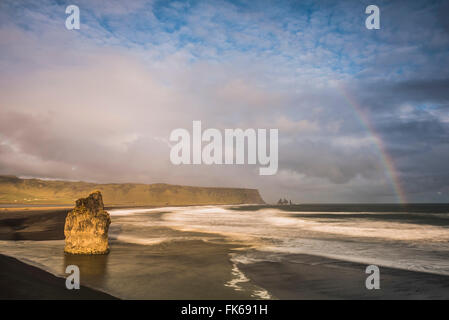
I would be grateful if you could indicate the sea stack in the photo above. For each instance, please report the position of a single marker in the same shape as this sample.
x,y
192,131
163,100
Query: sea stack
x,y
86,226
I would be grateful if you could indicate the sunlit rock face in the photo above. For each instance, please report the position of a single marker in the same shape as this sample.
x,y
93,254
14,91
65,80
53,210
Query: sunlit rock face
x,y
86,226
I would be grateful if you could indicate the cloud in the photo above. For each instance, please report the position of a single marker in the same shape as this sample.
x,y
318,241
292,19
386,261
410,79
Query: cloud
x,y
98,104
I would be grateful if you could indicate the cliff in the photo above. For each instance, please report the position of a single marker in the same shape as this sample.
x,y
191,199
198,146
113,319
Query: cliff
x,y
35,191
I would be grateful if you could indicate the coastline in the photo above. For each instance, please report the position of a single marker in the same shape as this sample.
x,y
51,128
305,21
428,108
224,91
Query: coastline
x,y
192,255
21,281
306,278
27,233
309,277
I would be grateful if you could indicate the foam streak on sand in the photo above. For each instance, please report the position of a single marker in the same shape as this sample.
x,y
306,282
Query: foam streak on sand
x,y
239,281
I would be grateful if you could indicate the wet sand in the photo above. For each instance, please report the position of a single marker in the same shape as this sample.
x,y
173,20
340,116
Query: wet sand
x,y
22,281
312,277
188,269
32,223
19,280
181,269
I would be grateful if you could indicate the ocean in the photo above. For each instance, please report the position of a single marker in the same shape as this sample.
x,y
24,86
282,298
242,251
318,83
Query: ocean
x,y
162,252
413,237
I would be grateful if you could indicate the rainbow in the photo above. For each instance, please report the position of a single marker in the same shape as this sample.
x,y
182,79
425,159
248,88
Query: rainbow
x,y
387,161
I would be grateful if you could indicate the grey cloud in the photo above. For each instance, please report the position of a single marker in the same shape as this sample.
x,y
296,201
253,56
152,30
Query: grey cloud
x,y
85,107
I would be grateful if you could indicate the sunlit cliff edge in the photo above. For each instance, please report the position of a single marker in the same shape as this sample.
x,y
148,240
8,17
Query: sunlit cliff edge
x,y
14,190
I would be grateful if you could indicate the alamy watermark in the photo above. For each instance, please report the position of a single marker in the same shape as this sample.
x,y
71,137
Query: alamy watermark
x,y
189,148
73,20
373,20
73,280
373,280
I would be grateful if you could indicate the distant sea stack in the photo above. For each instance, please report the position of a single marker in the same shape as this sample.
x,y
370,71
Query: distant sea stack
x,y
86,226
35,191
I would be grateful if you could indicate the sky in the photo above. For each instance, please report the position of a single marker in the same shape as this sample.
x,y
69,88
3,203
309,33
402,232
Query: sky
x,y
363,115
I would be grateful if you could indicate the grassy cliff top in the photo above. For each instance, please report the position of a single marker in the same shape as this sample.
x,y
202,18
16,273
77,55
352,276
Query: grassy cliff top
x,y
14,190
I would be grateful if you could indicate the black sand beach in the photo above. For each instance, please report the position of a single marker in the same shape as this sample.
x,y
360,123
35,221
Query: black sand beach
x,y
21,281
32,223
172,270
311,277
195,269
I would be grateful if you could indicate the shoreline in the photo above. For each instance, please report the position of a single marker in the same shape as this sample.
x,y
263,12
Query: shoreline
x,y
287,276
309,277
302,277
22,281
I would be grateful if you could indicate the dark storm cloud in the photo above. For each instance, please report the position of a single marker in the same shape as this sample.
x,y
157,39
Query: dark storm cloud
x,y
392,94
432,90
